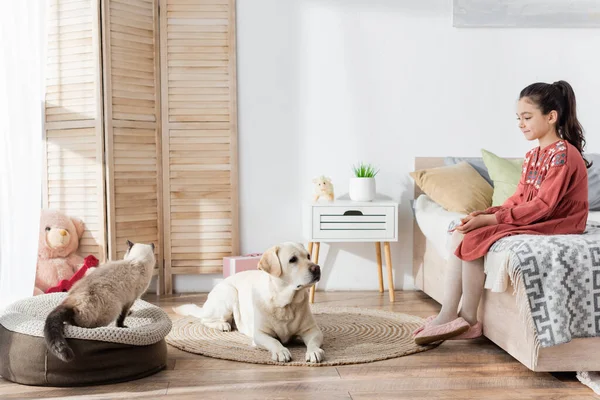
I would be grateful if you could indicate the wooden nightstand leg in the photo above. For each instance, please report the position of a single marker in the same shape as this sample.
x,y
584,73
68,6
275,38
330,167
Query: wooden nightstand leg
x,y
379,267
388,262
315,259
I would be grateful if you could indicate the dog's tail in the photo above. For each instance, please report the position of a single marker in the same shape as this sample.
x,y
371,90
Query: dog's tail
x,y
189,309
54,335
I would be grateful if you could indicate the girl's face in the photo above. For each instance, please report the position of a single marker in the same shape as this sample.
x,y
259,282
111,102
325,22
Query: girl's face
x,y
532,122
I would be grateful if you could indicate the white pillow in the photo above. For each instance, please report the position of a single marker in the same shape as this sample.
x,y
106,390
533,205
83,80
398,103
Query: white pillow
x,y
434,220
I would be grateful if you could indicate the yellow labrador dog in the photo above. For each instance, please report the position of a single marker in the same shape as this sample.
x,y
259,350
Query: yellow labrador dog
x,y
270,305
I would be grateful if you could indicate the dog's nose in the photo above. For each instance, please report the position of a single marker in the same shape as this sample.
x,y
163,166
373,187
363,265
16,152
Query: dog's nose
x,y
315,270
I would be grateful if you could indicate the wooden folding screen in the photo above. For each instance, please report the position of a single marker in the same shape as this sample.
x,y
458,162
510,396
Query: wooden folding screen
x,y
199,130
74,173
132,125
141,131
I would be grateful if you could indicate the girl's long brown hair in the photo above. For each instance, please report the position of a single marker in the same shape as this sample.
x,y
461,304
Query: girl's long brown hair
x,y
559,96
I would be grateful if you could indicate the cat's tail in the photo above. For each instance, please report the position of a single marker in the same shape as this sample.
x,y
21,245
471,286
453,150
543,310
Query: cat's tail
x,y
54,335
189,309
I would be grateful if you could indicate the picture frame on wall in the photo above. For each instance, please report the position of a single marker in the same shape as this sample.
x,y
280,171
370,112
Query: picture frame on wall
x,y
526,14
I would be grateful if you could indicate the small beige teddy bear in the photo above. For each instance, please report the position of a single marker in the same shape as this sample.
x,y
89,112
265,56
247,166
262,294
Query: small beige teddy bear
x,y
323,187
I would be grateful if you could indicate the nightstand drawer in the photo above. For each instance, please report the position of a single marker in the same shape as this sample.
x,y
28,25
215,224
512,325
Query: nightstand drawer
x,y
354,223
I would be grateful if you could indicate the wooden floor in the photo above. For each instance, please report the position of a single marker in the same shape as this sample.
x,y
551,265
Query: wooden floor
x,y
455,370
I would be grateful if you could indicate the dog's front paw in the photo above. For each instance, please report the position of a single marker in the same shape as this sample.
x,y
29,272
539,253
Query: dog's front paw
x,y
223,326
315,355
220,326
282,355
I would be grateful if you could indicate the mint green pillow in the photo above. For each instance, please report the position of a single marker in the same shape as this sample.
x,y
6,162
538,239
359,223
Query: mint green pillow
x,y
505,173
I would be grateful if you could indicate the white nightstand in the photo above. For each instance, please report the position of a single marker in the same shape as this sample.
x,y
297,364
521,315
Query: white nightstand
x,y
350,221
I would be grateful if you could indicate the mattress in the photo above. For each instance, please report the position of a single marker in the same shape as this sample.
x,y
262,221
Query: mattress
x,y
594,216
434,221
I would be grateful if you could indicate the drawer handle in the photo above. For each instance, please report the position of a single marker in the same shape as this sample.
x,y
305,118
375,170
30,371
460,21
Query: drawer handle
x,y
353,212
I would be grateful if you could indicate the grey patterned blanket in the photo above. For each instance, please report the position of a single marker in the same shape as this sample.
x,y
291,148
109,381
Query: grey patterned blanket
x,y
560,276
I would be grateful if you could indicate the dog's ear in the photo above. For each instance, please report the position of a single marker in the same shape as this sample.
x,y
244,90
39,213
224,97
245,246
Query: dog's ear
x,y
269,262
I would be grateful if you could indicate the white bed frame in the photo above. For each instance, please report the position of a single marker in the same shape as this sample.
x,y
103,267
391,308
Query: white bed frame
x,y
502,323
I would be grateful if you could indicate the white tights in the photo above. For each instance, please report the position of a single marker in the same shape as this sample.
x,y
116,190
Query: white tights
x,y
464,278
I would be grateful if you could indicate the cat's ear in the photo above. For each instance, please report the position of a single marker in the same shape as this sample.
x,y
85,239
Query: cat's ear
x,y
152,244
129,244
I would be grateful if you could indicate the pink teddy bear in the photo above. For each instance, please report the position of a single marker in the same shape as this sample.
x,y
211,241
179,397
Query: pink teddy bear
x,y
59,240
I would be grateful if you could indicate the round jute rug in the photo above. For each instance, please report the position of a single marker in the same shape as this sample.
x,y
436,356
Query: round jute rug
x,y
350,336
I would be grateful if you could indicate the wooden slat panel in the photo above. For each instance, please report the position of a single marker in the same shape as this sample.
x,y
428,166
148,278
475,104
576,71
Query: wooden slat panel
x,y
73,137
185,269
199,135
133,138
190,64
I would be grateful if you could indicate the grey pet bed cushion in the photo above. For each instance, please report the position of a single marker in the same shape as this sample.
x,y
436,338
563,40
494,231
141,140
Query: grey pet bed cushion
x,y
102,355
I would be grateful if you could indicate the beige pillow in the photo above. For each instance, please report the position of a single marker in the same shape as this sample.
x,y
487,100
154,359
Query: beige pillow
x,y
457,188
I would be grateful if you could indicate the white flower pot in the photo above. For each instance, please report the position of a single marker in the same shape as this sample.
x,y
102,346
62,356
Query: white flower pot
x,y
362,189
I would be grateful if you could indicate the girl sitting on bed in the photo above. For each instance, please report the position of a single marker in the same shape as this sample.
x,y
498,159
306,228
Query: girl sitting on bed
x,y
551,199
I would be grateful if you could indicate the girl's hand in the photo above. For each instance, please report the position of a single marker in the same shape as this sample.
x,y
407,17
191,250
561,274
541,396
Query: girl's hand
x,y
476,222
476,213
470,217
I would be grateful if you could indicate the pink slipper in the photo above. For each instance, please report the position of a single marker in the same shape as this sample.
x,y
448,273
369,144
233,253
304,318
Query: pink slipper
x,y
427,321
435,333
474,332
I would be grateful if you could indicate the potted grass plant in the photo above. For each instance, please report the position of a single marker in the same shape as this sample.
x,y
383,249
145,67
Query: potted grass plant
x,y
362,185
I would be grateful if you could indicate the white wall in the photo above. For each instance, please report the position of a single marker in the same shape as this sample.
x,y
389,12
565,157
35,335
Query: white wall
x,y
326,83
